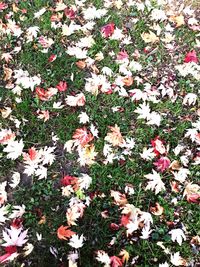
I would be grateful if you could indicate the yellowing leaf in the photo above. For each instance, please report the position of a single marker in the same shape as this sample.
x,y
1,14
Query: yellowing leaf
x,y
99,56
81,64
114,137
149,37
175,165
5,112
94,69
118,4
179,20
128,81
42,220
125,255
15,8
191,189
7,73
195,240
157,210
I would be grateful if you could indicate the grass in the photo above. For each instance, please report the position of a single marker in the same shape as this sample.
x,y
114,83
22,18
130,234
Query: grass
x,y
43,198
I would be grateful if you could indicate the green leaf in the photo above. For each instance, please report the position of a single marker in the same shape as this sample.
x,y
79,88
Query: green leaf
x,y
80,194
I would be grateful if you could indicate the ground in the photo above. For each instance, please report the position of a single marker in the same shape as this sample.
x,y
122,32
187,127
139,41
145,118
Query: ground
x,y
100,133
